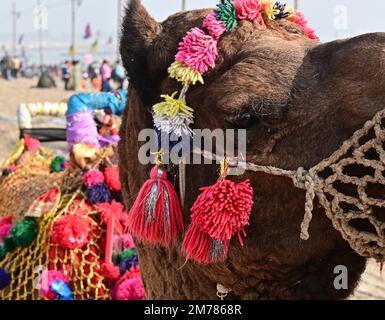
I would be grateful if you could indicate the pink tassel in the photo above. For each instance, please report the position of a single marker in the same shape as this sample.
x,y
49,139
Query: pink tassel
x,y
156,216
220,212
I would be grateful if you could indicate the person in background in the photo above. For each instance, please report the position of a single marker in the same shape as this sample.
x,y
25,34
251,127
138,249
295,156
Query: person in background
x,y
65,74
106,73
118,75
76,75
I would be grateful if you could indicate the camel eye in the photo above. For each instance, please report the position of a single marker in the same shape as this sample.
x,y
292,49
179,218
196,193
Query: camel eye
x,y
243,121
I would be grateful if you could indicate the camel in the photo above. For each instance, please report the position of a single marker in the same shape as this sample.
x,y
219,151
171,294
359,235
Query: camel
x,y
299,100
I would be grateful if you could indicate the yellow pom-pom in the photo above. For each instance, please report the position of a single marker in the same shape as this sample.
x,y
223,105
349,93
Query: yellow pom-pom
x,y
271,11
290,11
171,107
184,74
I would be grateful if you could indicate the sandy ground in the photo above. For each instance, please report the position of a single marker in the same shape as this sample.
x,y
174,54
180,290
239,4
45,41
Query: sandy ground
x,y
11,95
372,285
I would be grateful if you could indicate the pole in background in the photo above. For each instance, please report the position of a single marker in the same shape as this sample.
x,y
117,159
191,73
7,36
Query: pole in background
x,y
15,16
118,30
40,30
73,29
184,5
296,5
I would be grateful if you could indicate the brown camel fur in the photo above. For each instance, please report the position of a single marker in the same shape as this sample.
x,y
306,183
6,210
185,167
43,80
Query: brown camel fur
x,y
299,100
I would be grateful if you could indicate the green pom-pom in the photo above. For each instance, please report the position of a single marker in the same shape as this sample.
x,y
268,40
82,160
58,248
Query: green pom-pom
x,y
227,13
128,254
2,253
9,245
57,164
116,258
24,232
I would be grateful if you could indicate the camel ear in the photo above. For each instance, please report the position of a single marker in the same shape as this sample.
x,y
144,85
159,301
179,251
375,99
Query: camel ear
x,y
139,30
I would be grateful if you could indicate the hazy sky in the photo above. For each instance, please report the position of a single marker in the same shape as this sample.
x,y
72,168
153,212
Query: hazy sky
x,y
331,18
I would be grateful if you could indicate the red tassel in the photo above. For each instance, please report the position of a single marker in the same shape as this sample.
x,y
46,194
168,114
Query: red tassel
x,y
200,247
221,211
156,216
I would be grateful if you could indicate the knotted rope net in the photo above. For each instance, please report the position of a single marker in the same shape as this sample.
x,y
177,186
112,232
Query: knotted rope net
x,y
349,185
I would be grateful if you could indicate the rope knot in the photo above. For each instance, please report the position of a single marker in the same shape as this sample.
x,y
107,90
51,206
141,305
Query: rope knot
x,y
300,177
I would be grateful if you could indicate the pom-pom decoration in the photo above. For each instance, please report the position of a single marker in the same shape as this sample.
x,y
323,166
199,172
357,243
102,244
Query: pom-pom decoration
x,y
46,280
92,178
130,289
214,26
110,271
173,116
24,232
220,212
250,10
198,51
113,210
57,164
99,193
184,74
111,176
5,227
71,231
156,216
272,11
31,144
227,13
127,241
5,279
299,19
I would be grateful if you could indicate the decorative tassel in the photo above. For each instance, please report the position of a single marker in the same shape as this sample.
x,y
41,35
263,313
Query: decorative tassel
x,y
171,106
156,216
179,125
221,211
184,74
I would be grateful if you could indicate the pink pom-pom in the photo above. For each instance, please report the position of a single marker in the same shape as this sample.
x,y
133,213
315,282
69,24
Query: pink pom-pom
x,y
299,19
250,10
71,232
110,271
215,27
5,230
92,178
47,277
112,179
131,289
127,241
31,143
198,51
5,227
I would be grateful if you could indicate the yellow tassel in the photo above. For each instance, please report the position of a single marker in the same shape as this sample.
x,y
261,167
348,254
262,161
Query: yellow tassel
x,y
186,75
171,107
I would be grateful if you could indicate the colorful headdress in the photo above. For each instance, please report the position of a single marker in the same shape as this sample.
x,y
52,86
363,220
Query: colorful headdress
x,y
213,223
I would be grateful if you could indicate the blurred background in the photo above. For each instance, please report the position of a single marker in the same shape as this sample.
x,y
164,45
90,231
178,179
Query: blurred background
x,y
92,25
50,49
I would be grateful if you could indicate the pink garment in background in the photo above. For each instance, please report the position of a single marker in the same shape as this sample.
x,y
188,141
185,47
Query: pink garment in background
x,y
106,72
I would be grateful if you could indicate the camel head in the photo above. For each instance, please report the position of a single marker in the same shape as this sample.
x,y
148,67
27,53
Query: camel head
x,y
298,99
